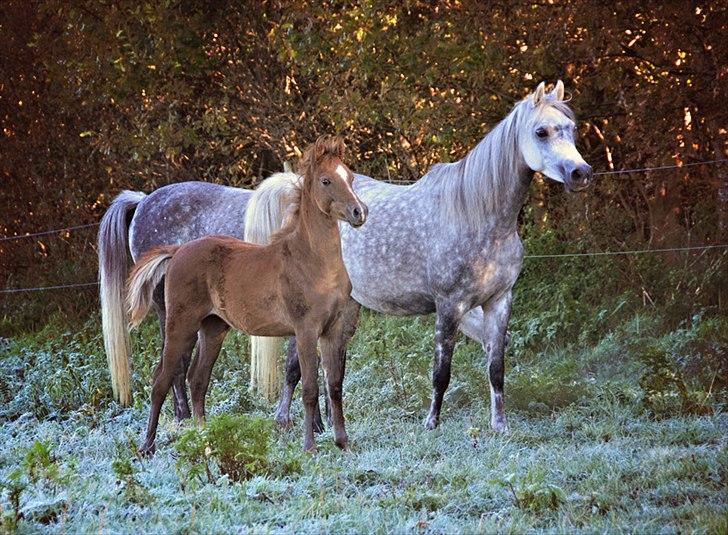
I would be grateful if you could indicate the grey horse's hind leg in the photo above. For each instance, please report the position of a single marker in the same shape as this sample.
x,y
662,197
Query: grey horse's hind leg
x,y
179,388
446,327
293,376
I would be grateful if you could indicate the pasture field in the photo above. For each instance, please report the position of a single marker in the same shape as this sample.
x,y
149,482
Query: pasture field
x,y
604,437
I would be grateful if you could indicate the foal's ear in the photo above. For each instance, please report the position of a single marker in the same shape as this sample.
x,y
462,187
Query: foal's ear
x,y
538,95
329,146
558,91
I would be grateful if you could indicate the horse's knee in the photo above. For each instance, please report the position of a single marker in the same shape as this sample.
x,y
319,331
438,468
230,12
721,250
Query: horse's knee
x,y
309,394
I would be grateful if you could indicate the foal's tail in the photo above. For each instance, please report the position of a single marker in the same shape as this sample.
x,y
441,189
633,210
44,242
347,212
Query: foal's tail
x,y
113,251
146,275
265,214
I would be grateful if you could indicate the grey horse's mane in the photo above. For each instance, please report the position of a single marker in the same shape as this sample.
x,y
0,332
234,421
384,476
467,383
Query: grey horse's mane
x,y
479,182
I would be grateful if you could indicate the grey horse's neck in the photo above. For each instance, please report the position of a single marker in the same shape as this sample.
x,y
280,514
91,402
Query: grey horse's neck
x,y
484,192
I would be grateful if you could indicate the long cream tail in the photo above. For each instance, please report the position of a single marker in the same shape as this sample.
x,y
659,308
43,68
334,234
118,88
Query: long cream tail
x,y
113,251
264,215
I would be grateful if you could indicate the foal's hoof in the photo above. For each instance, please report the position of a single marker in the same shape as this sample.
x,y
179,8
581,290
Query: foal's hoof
x,y
431,422
283,420
342,443
147,451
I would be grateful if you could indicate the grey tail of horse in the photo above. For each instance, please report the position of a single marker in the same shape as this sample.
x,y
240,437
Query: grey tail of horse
x,y
113,251
264,215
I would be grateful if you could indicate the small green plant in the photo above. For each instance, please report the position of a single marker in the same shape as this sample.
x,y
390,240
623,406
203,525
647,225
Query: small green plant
x,y
40,464
233,445
15,484
126,471
532,491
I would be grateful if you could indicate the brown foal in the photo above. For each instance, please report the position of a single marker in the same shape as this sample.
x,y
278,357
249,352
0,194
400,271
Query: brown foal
x,y
295,285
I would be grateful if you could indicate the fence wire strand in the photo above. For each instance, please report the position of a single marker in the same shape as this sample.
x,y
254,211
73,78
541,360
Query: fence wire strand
x,y
526,257
46,232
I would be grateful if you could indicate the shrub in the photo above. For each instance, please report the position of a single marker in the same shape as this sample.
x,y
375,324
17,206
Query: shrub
x,y
532,491
233,445
665,391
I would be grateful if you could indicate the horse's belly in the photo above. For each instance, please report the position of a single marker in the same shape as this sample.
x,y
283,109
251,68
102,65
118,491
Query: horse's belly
x,y
400,305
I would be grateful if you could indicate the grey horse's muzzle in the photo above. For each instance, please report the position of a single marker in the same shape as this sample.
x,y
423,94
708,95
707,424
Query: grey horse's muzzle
x,y
577,176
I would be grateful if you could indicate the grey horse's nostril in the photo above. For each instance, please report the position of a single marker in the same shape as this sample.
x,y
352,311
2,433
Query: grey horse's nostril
x,y
356,212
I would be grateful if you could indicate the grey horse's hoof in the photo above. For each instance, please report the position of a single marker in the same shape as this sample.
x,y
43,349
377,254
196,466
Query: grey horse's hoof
x,y
499,425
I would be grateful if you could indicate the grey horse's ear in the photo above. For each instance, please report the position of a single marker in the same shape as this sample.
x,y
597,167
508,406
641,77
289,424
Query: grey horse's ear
x,y
539,94
558,91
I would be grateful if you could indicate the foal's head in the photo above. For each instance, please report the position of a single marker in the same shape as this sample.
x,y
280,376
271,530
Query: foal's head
x,y
328,181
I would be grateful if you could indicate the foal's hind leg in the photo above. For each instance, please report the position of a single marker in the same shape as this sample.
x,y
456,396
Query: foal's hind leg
x,y
211,336
177,346
446,326
179,390
293,376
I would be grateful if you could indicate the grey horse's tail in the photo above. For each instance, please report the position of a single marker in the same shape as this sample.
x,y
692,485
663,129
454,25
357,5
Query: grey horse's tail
x,y
114,259
264,215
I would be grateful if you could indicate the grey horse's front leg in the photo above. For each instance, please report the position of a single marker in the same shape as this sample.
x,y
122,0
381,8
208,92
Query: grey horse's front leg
x,y
495,339
293,376
446,327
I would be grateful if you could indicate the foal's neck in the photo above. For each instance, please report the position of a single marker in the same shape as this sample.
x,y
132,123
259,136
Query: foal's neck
x,y
318,233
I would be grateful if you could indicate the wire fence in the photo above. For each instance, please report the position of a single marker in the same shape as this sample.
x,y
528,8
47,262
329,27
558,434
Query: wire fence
x,y
526,257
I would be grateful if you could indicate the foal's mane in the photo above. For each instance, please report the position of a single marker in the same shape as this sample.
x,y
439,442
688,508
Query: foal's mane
x,y
323,148
476,185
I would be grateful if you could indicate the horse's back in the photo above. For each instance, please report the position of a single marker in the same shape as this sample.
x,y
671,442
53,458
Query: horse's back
x,y
178,213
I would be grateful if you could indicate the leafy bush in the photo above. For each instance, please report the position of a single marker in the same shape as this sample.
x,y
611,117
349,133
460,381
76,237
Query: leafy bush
x,y
233,445
532,491
665,390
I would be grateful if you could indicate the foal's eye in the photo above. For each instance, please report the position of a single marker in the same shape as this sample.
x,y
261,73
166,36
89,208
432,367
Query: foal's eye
x,y
325,181
542,133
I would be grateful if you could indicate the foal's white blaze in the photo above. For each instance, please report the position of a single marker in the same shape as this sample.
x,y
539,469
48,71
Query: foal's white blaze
x,y
341,171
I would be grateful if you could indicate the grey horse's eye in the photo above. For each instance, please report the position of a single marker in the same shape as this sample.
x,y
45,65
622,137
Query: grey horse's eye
x,y
542,133
325,181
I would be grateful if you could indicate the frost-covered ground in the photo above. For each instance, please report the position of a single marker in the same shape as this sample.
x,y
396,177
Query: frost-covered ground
x,y
583,453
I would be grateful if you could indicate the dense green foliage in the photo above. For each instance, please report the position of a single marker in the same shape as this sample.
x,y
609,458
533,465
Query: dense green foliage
x,y
102,96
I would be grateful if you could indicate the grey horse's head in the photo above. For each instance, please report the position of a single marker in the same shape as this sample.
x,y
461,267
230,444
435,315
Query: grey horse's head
x,y
546,138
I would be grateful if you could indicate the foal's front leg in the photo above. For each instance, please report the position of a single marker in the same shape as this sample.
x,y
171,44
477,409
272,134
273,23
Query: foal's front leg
x,y
306,339
333,353
446,326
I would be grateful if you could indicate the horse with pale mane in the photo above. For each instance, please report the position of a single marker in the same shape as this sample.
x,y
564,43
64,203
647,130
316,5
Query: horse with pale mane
x,y
295,285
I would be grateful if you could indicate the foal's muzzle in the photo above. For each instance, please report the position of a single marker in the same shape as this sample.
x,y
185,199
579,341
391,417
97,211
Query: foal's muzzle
x,y
577,176
356,214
